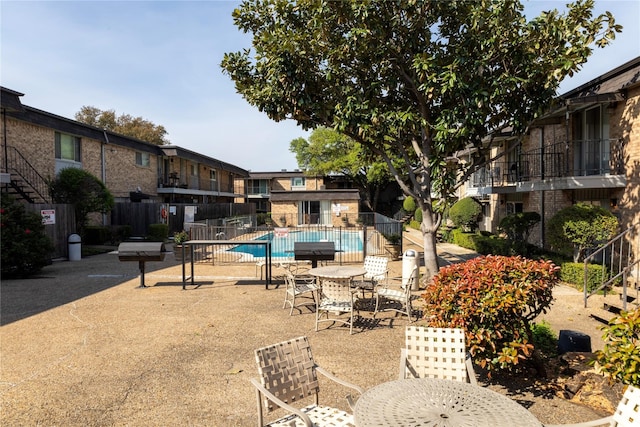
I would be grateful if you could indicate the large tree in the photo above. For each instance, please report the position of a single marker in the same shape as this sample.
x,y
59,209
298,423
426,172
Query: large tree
x,y
125,124
418,79
328,151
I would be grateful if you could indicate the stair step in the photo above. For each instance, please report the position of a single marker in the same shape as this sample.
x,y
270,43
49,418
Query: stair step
x,y
612,308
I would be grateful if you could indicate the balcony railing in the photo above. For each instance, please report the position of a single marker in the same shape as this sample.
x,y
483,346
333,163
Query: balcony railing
x,y
575,158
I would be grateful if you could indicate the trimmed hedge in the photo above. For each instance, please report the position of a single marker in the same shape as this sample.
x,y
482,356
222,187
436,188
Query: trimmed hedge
x,y
573,272
96,235
158,232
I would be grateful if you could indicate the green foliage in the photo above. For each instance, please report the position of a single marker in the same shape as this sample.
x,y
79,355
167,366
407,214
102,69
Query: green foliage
x,y
573,272
409,204
464,239
620,358
418,215
180,237
262,218
25,248
135,127
465,70
465,213
122,233
414,224
577,228
96,235
545,339
492,245
158,232
329,152
494,299
84,191
517,226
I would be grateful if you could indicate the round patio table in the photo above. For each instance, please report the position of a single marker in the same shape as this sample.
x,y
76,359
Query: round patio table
x,y
337,272
438,403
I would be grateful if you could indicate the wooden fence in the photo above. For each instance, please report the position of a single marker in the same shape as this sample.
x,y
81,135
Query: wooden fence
x,y
64,219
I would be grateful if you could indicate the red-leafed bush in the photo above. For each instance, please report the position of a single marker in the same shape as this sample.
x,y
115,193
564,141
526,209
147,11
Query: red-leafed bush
x,y
494,299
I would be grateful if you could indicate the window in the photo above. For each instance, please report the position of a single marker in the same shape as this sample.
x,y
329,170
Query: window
x,y
298,182
591,141
67,147
143,159
194,169
212,175
257,186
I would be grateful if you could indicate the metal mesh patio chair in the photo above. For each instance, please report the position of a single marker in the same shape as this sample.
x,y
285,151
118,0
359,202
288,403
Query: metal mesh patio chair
x,y
436,353
398,300
335,296
376,268
299,287
288,374
627,414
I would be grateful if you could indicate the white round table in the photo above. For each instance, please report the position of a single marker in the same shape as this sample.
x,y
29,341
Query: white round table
x,y
438,403
337,272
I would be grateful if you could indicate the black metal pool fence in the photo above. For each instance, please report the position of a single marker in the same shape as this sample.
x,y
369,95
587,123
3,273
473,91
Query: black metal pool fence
x,y
369,236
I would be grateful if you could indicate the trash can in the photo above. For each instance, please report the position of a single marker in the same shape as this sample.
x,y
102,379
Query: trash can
x,y
75,247
409,261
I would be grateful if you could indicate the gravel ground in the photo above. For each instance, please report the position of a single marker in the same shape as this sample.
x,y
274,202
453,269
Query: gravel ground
x,y
83,345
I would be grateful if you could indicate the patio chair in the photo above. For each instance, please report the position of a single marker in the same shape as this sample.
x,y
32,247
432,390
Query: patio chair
x,y
376,268
627,414
436,353
335,296
299,287
288,374
398,300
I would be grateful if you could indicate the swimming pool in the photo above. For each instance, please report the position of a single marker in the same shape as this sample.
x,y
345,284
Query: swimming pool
x,y
282,242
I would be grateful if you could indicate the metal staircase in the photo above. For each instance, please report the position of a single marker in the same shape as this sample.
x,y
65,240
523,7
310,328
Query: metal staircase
x,y
25,181
620,264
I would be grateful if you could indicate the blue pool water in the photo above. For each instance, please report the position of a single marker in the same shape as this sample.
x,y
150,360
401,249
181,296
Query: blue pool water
x,y
282,245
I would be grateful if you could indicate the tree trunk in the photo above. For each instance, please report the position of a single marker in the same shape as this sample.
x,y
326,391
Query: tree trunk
x,y
429,229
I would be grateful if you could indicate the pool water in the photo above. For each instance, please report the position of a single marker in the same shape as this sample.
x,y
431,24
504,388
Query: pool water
x,y
282,243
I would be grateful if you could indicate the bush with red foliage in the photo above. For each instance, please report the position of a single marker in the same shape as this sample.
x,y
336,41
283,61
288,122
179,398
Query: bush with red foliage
x,y
495,300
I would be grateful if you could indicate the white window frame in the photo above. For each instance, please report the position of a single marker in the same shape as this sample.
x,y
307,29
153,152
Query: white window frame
x,y
143,159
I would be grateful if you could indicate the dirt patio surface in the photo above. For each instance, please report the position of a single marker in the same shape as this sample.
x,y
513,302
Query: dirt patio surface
x,y
82,345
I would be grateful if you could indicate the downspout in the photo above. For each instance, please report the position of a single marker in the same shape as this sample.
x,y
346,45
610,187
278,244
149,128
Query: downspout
x,y
4,140
104,168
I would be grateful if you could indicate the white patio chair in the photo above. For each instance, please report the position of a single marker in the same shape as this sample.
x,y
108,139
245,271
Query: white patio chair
x,y
376,268
335,296
436,353
627,414
288,374
398,300
299,287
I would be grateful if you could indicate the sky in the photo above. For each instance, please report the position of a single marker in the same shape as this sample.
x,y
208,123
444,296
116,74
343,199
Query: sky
x,y
160,60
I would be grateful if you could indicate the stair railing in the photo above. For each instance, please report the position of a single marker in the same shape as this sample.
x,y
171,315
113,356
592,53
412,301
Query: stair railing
x,y
617,262
19,165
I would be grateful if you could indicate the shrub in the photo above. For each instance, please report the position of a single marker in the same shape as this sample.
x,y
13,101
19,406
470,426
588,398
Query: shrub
x,y
517,226
620,358
492,245
158,232
494,299
414,224
96,235
465,213
573,272
24,246
122,232
409,204
418,215
463,239
84,191
577,228
545,339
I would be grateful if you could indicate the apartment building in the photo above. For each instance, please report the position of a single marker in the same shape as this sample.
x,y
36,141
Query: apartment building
x,y
585,149
37,144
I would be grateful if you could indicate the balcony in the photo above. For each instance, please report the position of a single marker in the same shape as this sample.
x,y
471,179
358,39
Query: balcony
x,y
566,165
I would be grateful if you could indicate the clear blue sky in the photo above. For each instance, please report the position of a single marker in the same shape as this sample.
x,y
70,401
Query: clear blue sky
x,y
160,60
